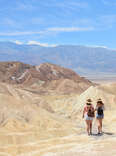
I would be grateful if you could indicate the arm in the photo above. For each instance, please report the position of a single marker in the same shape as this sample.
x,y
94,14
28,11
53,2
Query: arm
x,y
103,107
83,112
95,109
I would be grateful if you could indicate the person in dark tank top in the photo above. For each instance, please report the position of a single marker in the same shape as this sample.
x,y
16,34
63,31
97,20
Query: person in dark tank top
x,y
99,114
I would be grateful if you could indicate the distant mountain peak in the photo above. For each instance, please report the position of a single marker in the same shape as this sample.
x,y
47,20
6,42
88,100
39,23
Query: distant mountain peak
x,y
82,59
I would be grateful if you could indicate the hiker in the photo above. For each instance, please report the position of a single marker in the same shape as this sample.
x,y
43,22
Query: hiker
x,y
99,114
88,114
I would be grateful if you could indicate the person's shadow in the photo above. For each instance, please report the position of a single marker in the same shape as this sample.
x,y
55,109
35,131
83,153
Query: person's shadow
x,y
96,134
108,133
104,133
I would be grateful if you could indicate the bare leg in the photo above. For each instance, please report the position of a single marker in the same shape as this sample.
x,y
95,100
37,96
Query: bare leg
x,y
88,126
99,125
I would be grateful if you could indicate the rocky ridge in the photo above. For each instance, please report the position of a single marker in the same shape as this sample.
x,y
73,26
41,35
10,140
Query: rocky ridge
x,y
44,77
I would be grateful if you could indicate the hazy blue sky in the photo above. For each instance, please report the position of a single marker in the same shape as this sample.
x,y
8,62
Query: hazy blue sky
x,y
85,22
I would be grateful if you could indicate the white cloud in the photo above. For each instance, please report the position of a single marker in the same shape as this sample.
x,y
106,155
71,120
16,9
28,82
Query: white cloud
x,y
41,44
70,29
96,46
18,42
48,30
19,33
100,46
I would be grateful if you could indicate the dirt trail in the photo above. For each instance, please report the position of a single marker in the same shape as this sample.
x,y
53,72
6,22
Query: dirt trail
x,y
26,129
29,144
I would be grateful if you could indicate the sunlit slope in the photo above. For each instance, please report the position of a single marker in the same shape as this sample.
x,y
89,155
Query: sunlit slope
x,y
51,125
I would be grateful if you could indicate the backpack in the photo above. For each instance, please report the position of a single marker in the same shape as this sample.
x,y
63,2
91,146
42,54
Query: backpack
x,y
90,112
100,111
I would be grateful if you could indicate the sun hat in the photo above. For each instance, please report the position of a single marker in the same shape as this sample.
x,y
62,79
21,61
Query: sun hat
x,y
89,100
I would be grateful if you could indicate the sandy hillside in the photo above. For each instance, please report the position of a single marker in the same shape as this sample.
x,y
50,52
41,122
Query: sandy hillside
x,y
32,124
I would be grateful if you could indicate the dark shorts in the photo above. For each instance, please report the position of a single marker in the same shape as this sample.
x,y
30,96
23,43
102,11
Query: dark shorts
x,y
99,116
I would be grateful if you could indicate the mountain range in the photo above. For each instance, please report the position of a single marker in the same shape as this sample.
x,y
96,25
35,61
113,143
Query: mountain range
x,y
82,59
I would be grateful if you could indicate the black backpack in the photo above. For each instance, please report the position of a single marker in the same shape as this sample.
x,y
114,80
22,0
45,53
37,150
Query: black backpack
x,y
100,111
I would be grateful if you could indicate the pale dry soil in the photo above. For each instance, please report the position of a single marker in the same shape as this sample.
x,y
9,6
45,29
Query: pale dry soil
x,y
28,129
31,141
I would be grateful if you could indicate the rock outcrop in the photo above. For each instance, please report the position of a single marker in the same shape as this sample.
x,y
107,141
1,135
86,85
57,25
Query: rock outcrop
x,y
44,77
